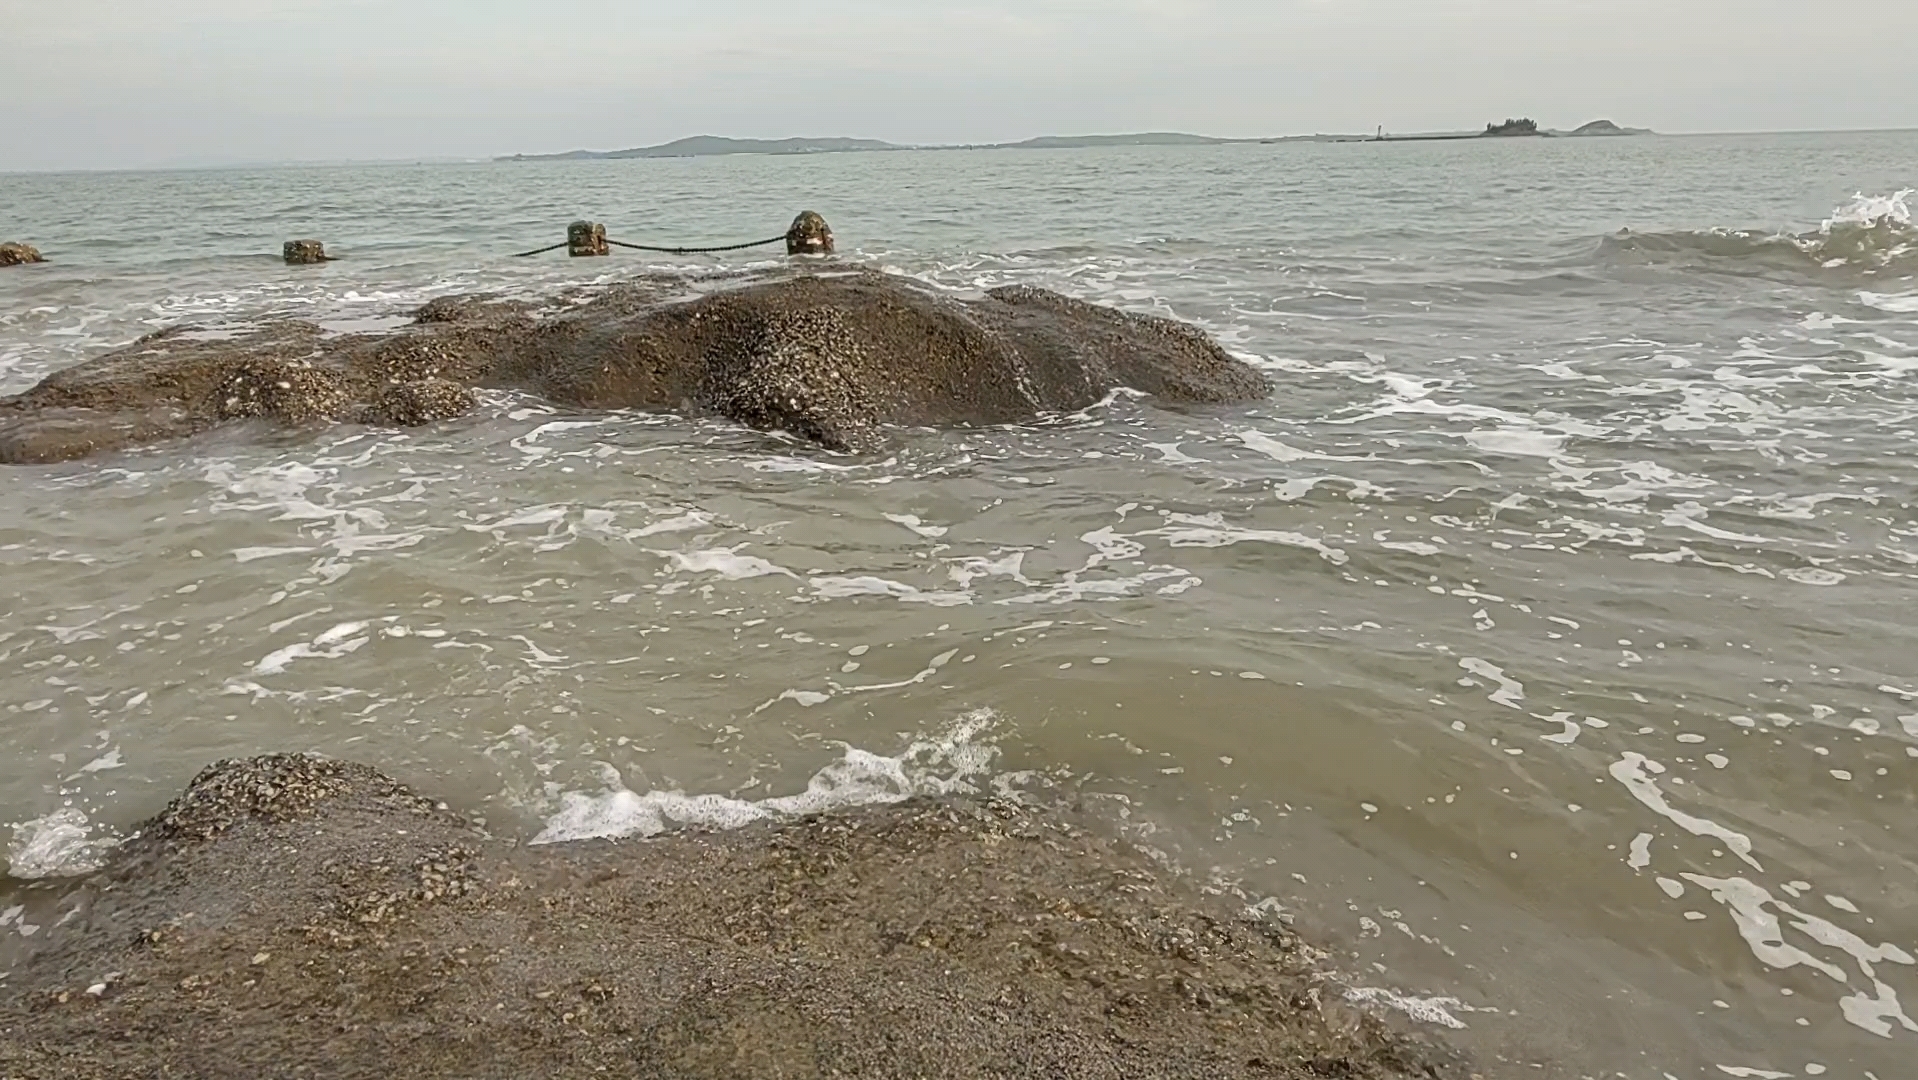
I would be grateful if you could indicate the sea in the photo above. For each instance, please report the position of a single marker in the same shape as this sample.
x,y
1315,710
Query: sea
x,y
1544,648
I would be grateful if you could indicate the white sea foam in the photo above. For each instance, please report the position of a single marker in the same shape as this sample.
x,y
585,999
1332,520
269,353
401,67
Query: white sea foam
x,y
912,522
1510,692
1425,1010
60,844
956,761
1872,211
1636,772
1757,914
1282,452
342,639
1517,442
725,563
842,588
1896,303
1210,530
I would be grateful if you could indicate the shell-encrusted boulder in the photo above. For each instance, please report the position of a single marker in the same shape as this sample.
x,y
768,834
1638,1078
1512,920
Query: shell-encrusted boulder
x,y
837,359
809,235
585,239
304,252
19,254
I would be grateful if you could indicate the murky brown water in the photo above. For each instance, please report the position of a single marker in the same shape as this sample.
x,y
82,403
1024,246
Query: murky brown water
x,y
1545,642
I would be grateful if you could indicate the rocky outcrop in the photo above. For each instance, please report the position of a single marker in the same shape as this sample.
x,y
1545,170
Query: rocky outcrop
x,y
809,235
1513,128
303,253
297,916
586,239
1606,127
19,254
834,359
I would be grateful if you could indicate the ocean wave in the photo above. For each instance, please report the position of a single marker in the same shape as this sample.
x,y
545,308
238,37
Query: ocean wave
x,y
65,843
956,761
1872,233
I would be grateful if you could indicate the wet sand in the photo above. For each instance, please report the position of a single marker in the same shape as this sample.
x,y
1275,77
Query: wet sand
x,y
299,916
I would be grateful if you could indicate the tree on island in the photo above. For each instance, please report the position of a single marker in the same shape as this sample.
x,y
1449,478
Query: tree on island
x,y
1513,127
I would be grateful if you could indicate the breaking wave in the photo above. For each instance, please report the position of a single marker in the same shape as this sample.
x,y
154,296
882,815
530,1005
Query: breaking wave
x,y
1874,234
956,761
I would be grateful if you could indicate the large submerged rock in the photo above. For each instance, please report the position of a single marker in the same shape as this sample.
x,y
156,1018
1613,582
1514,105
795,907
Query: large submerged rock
x,y
297,916
830,358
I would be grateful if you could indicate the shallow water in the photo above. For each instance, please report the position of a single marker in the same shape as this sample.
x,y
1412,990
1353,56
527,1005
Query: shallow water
x,y
1544,642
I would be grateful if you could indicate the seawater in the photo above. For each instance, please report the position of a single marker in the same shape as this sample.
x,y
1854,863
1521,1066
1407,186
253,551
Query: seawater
x,y
1543,646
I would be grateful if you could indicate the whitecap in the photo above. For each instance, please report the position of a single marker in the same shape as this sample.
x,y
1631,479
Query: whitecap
x,y
956,761
1427,1010
912,522
331,645
1636,772
1517,442
842,588
725,562
1901,304
60,844
1210,531
1510,692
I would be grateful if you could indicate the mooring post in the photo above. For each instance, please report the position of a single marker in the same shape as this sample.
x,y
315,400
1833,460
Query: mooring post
x,y
303,252
19,254
809,235
586,238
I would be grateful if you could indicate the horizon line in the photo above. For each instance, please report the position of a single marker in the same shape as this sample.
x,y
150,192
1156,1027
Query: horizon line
x,y
495,158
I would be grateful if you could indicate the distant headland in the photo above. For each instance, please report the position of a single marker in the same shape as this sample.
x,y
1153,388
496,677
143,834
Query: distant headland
x,y
719,146
1524,128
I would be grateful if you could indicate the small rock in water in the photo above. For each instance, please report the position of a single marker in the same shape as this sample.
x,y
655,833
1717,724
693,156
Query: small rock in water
x,y
304,252
809,235
585,239
19,254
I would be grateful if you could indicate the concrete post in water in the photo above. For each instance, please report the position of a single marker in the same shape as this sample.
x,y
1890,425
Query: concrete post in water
x,y
304,252
584,238
809,235
19,254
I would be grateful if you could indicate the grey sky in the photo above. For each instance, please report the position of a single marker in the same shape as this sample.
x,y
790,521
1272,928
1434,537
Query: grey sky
x,y
127,83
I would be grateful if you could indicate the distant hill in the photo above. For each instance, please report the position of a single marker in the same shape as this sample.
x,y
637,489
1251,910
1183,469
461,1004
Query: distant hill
x,y
1521,128
1606,127
716,146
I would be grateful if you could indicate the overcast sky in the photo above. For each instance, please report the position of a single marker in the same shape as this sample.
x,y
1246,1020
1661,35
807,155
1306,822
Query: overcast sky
x,y
129,83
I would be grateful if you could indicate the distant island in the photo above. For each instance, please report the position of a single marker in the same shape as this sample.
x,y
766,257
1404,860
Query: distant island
x,y
714,146
1513,129
718,146
1606,127
1523,128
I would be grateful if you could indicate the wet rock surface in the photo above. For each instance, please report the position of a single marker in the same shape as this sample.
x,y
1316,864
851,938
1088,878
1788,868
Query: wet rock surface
x,y
585,239
19,254
833,358
809,235
295,916
303,252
